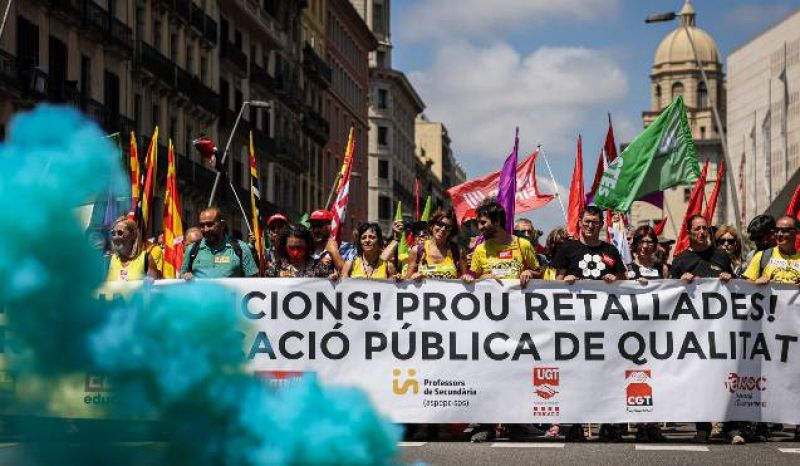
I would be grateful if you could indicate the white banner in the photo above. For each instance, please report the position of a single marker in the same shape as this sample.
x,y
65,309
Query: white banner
x,y
445,352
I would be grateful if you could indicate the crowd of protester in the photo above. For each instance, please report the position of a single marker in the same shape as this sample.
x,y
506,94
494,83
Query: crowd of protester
x,y
479,248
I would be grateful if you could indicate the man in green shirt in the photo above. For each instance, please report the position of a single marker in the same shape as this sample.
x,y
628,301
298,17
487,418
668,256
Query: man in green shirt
x,y
217,255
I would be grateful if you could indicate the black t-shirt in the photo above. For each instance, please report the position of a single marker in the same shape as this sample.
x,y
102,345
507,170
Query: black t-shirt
x,y
588,262
707,264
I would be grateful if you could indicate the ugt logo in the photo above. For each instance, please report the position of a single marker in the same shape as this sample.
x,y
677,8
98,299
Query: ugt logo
x,y
410,383
638,392
545,382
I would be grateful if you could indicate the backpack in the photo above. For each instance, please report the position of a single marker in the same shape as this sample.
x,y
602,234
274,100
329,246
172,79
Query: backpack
x,y
766,255
237,249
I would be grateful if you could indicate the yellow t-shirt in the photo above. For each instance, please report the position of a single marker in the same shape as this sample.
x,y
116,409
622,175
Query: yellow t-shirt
x,y
157,254
445,269
380,270
136,269
779,268
504,260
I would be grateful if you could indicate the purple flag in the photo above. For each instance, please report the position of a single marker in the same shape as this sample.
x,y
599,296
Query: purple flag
x,y
656,199
507,186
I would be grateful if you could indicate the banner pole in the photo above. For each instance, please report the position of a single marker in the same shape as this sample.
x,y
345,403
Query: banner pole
x,y
555,185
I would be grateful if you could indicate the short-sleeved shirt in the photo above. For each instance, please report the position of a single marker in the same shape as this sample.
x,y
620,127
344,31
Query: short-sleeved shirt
x,y
313,268
780,268
221,262
588,262
505,261
705,264
135,269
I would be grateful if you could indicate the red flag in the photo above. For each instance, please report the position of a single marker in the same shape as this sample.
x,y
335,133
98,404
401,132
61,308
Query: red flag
x,y
607,154
695,207
793,210
173,226
577,200
712,200
659,227
466,197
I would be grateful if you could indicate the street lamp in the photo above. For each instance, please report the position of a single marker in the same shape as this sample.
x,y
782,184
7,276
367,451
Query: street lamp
x,y
252,103
669,16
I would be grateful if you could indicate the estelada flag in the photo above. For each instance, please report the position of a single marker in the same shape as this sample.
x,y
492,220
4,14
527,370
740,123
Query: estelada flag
x,y
339,207
255,199
146,209
466,197
173,226
136,175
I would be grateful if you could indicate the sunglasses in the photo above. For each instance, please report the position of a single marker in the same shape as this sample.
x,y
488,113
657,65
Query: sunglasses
x,y
117,233
786,231
727,241
444,226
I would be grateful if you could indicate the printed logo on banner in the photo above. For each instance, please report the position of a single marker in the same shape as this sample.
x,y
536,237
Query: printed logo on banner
x,y
546,387
746,389
97,388
638,392
403,386
280,379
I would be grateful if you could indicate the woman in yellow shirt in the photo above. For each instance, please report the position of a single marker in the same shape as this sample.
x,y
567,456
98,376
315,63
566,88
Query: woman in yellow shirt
x,y
129,261
439,256
368,263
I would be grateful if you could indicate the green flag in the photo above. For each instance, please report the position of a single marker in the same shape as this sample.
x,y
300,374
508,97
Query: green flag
x,y
660,157
304,220
402,245
426,212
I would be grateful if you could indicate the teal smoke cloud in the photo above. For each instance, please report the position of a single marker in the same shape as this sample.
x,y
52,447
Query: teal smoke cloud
x,y
173,353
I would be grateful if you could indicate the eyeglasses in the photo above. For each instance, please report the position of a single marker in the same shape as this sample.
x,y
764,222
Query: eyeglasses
x,y
592,223
727,241
786,231
444,226
117,233
646,241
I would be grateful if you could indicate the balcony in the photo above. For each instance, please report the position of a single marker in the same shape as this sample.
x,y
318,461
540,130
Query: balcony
x,y
183,80
316,126
204,96
198,19
234,56
260,77
210,32
316,67
289,153
153,62
194,174
64,92
262,143
182,9
9,71
68,9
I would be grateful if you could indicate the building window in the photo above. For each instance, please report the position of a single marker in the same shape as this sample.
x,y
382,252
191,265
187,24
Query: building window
x,y
687,193
381,59
383,98
173,47
157,35
111,91
383,169
86,77
377,18
27,43
658,97
702,95
677,89
137,112
384,207
383,136
702,132
156,115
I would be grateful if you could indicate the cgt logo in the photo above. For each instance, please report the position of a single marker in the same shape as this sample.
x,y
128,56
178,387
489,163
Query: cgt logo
x,y
545,382
402,386
638,391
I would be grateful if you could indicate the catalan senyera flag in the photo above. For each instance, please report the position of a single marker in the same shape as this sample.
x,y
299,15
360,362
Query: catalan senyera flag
x,y
348,158
173,226
151,164
136,175
339,207
255,197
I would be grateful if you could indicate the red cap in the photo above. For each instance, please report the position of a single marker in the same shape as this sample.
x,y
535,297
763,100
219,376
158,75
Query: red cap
x,y
277,217
322,215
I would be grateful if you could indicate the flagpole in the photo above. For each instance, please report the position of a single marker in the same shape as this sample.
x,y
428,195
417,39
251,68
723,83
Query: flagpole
x,y
555,185
244,214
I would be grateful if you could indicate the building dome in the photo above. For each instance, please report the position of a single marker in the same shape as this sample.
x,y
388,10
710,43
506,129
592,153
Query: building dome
x,y
676,48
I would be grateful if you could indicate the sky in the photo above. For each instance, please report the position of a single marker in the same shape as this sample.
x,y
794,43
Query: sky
x,y
553,68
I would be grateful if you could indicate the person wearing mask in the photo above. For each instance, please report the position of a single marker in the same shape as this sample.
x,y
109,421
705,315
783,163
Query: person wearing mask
x,y
589,258
128,260
294,258
501,255
727,240
368,263
702,260
439,256
646,264
217,255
